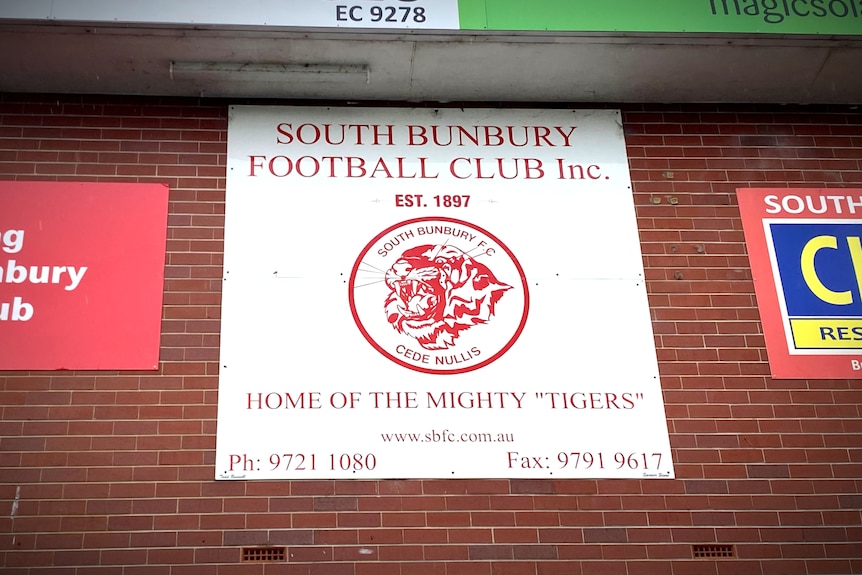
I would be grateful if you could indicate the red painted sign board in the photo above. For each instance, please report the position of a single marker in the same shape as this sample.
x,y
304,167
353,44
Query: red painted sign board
x,y
806,257
81,275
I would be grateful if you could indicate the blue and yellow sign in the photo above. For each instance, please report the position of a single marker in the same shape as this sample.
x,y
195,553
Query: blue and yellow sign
x,y
821,278
805,248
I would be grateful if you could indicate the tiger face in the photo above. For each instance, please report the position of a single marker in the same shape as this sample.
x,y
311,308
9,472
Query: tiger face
x,y
438,291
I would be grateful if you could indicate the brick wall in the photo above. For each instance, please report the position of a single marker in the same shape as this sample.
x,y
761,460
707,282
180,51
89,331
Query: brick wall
x,y
111,473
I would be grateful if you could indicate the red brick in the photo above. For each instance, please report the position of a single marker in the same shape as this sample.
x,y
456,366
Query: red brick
x,y
468,568
117,468
471,535
513,568
448,519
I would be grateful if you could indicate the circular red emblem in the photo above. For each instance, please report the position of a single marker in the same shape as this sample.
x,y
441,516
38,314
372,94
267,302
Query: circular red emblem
x,y
439,295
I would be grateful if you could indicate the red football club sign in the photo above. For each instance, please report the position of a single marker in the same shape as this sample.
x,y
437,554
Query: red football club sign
x,y
806,257
81,275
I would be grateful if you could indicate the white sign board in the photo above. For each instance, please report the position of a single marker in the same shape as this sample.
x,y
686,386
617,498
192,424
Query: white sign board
x,y
382,14
431,293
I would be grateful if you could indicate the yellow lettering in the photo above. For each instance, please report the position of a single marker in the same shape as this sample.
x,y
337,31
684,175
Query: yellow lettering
x,y
810,274
856,257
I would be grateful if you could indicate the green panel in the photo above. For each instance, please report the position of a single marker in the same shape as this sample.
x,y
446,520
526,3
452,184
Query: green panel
x,y
473,12
840,17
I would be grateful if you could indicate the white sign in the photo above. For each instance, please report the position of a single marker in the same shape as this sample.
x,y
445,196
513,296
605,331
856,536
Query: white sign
x,y
431,293
387,14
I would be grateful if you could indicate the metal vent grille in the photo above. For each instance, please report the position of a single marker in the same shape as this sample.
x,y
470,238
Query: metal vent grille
x,y
263,554
712,551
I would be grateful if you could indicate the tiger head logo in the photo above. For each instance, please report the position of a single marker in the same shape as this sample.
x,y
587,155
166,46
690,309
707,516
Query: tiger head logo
x,y
438,291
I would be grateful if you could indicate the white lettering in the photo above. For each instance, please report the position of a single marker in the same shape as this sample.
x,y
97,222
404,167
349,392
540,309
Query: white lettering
x,y
13,241
18,274
772,202
21,310
76,276
794,204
